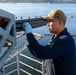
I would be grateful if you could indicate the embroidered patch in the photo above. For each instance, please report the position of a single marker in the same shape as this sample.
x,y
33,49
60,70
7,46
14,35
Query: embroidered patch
x,y
63,37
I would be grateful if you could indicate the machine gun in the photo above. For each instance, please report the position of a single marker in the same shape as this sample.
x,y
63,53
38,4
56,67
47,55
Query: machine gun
x,y
8,29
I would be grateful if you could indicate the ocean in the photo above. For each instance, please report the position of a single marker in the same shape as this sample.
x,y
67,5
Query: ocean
x,y
26,10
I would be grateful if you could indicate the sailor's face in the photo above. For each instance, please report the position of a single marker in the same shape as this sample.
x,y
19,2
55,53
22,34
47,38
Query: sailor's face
x,y
52,25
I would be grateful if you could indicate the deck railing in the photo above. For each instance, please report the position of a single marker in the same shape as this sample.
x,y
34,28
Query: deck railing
x,y
18,69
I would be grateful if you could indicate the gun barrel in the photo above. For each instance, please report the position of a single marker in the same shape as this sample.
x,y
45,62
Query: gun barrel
x,y
35,22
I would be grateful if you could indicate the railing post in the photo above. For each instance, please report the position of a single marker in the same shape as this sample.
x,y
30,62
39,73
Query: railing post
x,y
18,67
43,71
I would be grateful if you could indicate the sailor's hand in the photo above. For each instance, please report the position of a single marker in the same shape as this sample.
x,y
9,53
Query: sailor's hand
x,y
27,28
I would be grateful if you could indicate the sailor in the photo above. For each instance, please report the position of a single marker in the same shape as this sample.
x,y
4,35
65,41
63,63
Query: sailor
x,y
61,49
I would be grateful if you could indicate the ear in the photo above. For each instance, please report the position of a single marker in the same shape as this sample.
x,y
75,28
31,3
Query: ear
x,y
60,22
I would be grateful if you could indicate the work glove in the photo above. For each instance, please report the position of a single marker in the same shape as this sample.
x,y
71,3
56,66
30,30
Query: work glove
x,y
27,28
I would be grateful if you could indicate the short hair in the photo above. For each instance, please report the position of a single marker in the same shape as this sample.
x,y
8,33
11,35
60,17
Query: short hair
x,y
64,22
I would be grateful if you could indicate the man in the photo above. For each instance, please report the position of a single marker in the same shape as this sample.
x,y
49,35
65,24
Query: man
x,y
62,46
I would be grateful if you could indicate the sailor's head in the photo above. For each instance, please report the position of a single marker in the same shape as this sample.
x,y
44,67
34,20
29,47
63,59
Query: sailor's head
x,y
56,20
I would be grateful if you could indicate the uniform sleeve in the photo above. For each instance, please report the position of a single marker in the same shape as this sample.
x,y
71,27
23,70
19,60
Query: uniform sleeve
x,y
43,52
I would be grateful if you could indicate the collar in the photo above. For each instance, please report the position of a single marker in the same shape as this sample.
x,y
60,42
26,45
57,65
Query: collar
x,y
61,33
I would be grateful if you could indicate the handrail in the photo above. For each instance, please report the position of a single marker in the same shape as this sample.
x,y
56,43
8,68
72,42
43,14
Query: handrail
x,y
20,62
30,67
25,72
30,58
11,71
10,64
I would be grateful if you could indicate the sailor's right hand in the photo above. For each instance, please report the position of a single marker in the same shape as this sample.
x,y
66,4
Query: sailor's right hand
x,y
27,28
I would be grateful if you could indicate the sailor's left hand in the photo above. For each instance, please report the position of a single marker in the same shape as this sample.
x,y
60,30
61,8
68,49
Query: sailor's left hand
x,y
27,28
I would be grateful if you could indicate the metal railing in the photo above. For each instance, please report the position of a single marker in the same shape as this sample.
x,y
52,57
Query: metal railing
x,y
18,62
